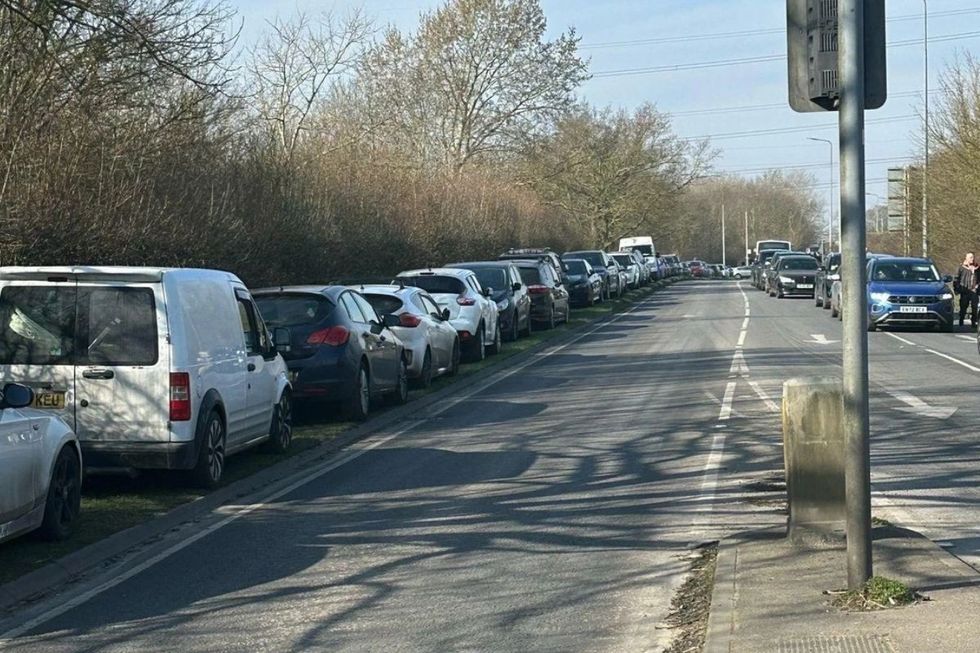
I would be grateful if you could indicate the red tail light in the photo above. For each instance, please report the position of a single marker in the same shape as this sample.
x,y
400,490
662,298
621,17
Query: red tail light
x,y
537,289
465,301
334,336
180,396
409,320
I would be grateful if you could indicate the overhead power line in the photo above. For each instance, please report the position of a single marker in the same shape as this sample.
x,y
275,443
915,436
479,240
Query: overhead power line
x,y
791,130
806,166
775,105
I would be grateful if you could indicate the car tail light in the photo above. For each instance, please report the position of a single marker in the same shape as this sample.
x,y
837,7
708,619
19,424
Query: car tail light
x,y
334,336
465,335
409,320
180,396
465,301
537,289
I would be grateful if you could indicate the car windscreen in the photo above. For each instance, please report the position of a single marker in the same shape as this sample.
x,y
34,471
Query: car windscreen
x,y
494,278
290,310
833,262
576,266
904,271
801,263
530,276
65,325
435,284
594,258
624,260
384,304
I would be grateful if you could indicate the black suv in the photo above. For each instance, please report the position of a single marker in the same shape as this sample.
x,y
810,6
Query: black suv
x,y
549,297
535,253
827,274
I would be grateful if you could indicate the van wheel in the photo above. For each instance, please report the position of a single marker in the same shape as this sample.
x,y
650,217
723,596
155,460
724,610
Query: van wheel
x,y
211,457
63,503
359,404
281,433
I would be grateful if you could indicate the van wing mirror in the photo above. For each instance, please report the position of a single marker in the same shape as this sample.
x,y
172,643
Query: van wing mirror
x,y
282,339
16,395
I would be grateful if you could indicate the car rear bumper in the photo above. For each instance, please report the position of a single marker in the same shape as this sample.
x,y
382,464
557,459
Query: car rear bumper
x,y
580,294
139,455
327,375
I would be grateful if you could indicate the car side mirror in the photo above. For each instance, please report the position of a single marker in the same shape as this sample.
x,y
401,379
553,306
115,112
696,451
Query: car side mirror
x,y
390,320
487,292
445,315
516,286
377,327
16,395
282,339
948,278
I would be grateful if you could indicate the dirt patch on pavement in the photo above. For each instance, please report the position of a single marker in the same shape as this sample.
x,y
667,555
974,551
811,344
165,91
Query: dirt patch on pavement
x,y
691,604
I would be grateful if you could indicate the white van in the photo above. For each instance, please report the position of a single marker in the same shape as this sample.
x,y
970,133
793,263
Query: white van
x,y
642,244
151,367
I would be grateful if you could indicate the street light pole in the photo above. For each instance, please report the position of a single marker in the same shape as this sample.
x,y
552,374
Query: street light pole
x,y
747,238
830,205
724,260
925,96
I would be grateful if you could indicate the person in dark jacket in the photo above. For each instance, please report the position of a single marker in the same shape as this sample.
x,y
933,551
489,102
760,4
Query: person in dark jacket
x,y
966,285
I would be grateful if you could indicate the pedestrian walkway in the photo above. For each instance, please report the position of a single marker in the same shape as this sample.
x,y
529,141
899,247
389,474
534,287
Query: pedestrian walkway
x,y
769,597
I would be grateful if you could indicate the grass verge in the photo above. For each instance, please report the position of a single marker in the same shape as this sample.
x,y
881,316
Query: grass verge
x,y
879,593
691,605
113,503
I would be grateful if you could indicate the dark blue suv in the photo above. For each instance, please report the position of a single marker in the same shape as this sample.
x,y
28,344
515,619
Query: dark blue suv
x,y
908,292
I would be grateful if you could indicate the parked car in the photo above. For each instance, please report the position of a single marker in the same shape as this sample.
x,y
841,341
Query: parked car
x,y
618,274
549,297
769,282
430,342
599,261
794,275
837,288
629,265
472,311
697,269
150,367
761,266
645,275
40,469
341,351
510,293
534,253
906,291
827,274
584,283
742,272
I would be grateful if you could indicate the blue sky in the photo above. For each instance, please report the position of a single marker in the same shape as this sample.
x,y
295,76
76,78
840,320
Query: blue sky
x,y
611,29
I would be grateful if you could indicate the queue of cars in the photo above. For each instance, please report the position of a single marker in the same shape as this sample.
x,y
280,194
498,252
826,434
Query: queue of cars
x,y
107,368
901,290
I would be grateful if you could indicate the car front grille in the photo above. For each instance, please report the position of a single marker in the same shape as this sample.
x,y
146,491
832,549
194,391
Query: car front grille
x,y
911,299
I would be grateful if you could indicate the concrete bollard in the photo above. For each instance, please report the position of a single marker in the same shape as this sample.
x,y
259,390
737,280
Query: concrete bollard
x,y
813,452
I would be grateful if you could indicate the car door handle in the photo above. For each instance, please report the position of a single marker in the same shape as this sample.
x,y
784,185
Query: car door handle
x,y
98,374
251,367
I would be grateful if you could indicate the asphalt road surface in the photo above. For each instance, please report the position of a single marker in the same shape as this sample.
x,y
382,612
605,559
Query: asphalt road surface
x,y
552,507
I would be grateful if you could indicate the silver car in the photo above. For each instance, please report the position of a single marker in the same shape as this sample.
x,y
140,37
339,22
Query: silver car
x,y
40,467
431,343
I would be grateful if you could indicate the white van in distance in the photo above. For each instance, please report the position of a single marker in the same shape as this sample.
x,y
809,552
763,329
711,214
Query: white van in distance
x,y
151,367
642,244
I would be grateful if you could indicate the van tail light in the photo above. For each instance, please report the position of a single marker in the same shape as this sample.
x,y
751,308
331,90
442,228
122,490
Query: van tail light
x,y
180,396
335,336
537,289
409,320
465,301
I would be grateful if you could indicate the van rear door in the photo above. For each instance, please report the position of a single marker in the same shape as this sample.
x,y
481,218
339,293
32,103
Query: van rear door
x,y
122,374
37,341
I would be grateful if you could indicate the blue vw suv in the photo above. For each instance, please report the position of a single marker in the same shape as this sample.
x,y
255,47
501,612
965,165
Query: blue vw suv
x,y
908,292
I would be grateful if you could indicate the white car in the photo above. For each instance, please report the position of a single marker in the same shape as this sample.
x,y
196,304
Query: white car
x,y
628,263
151,367
742,272
40,469
472,311
431,343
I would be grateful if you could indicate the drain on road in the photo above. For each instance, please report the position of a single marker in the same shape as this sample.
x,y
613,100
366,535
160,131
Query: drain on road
x,y
836,644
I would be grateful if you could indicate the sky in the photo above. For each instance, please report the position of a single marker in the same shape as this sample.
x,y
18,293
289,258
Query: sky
x,y
636,47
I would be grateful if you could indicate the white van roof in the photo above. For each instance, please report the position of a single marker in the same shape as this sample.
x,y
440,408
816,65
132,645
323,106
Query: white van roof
x,y
109,273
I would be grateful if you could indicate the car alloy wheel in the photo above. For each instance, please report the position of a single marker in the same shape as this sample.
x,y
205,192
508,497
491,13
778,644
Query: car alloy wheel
x,y
425,378
63,503
363,394
454,363
515,331
400,396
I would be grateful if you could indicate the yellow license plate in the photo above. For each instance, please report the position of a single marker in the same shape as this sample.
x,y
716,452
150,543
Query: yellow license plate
x,y
49,399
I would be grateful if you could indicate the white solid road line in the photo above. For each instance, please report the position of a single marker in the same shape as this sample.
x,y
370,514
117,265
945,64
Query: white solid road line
x,y
726,403
302,480
741,338
955,360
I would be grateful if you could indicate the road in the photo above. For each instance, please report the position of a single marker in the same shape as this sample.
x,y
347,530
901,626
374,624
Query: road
x,y
552,507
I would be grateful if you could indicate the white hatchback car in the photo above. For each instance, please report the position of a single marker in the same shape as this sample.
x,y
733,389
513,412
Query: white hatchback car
x,y
40,469
472,311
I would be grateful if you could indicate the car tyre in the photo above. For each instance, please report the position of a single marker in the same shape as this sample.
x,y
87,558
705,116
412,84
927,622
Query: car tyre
x,y
281,432
454,362
515,331
477,348
211,455
63,503
359,404
400,395
425,376
494,349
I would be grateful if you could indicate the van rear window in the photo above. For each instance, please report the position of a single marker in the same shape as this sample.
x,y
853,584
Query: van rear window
x,y
62,325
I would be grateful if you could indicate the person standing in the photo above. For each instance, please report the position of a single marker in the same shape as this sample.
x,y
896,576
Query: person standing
x,y
966,285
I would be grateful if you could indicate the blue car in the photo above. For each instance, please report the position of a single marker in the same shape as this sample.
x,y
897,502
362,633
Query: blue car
x,y
908,292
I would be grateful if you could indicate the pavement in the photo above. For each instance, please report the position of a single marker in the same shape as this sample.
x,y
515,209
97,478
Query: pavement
x,y
551,506
769,598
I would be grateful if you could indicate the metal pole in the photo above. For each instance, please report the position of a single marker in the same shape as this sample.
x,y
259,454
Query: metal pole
x,y
724,260
855,307
830,204
925,166
747,238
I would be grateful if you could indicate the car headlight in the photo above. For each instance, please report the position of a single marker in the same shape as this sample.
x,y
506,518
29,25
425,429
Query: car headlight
x,y
879,296
503,304
786,280
945,296
833,277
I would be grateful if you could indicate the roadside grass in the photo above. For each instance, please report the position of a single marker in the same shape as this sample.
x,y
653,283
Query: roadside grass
x,y
878,593
113,503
